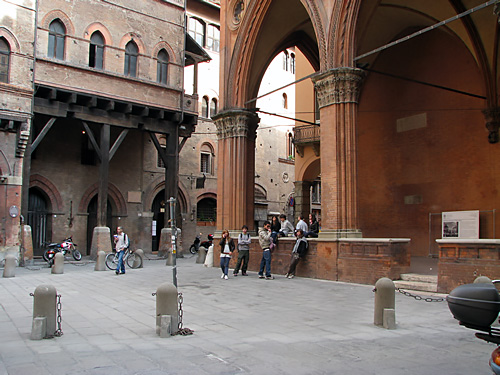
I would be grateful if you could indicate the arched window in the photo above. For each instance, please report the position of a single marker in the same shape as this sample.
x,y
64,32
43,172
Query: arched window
x,y
162,67
57,35
285,60
4,60
204,107
206,210
131,54
285,101
96,51
292,63
197,30
290,147
213,107
213,38
206,158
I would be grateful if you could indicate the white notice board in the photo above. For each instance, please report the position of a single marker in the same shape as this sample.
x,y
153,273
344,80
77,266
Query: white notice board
x,y
460,224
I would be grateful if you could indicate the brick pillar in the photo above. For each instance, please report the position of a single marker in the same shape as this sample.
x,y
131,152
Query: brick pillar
x,y
236,132
302,197
338,92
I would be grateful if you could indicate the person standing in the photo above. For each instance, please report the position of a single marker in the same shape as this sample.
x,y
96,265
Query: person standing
x,y
121,245
265,244
226,251
286,226
244,240
298,252
301,224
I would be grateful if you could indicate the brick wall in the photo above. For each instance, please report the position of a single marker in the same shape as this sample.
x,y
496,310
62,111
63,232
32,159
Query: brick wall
x,y
360,262
461,263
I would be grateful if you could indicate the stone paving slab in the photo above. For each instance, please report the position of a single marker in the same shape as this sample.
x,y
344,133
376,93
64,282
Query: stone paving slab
x,y
243,325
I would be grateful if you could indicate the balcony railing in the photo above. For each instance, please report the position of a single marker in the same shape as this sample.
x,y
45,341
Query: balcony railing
x,y
306,135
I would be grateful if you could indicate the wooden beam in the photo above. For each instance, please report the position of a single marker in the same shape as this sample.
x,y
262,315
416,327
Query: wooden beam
x,y
92,140
117,143
42,134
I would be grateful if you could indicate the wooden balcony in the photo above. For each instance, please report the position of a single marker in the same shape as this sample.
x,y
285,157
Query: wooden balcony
x,y
307,135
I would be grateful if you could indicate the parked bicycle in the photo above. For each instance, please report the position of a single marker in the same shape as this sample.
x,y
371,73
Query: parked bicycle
x,y
133,260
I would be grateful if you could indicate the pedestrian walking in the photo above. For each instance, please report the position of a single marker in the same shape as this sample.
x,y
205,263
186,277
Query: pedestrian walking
x,y
121,245
226,251
244,240
298,252
265,244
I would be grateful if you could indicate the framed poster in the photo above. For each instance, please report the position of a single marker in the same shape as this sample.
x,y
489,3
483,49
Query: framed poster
x,y
460,224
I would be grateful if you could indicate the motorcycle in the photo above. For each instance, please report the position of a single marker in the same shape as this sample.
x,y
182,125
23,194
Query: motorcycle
x,y
476,306
195,247
64,247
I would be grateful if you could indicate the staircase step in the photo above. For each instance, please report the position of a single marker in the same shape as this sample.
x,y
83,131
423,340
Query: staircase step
x,y
416,285
418,277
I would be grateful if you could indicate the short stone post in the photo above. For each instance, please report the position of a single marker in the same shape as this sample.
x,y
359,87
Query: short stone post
x,y
44,312
167,310
209,258
100,263
170,259
385,303
482,280
10,266
137,262
58,267
202,254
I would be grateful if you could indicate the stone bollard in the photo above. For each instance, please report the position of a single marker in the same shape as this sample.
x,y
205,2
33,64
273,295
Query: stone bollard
x,y
100,263
44,312
202,254
139,263
384,303
482,279
166,305
170,259
209,258
10,266
58,267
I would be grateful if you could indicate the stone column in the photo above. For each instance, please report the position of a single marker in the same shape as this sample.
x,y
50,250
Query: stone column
x,y
302,195
338,93
236,132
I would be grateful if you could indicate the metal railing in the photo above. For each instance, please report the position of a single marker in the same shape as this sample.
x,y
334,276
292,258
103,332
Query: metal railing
x,y
306,134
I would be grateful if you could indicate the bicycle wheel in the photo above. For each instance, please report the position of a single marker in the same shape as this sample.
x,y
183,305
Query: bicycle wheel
x,y
134,261
111,261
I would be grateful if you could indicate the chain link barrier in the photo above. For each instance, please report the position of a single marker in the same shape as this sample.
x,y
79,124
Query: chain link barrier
x,y
181,331
58,332
420,298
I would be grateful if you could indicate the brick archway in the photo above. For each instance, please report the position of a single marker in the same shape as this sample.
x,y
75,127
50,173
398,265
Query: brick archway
x,y
114,195
50,190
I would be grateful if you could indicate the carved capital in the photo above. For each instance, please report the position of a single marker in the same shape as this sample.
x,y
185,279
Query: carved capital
x,y
236,123
492,116
340,85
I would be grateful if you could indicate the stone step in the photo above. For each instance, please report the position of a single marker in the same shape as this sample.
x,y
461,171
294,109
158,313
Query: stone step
x,y
418,277
416,285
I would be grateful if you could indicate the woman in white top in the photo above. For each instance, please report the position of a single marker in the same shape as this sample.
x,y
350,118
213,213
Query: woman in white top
x,y
226,251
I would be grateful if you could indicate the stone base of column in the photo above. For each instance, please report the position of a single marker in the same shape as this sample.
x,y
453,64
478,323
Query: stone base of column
x,y
165,245
27,242
101,241
334,234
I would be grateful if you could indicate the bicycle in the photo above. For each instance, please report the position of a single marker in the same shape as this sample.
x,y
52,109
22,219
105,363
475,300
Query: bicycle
x,y
132,260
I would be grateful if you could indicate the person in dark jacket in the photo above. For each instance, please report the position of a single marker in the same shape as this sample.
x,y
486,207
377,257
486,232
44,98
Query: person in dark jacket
x,y
298,252
226,251
275,228
313,227
244,241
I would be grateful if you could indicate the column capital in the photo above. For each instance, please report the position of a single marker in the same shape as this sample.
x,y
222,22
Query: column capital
x,y
236,122
339,85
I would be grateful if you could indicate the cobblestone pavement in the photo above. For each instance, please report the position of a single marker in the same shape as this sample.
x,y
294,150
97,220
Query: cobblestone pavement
x,y
243,325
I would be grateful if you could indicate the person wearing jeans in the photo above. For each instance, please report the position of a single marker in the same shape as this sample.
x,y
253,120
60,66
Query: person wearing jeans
x,y
121,244
226,250
265,244
244,241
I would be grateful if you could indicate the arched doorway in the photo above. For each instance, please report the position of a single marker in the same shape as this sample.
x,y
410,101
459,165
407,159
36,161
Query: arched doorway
x,y
92,220
39,219
159,207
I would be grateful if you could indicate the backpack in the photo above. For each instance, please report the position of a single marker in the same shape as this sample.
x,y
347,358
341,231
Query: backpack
x,y
127,241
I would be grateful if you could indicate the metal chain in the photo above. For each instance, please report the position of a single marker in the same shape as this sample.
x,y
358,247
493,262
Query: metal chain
x,y
420,298
182,331
59,331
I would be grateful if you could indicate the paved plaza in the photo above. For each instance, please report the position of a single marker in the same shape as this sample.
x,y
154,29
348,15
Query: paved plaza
x,y
243,325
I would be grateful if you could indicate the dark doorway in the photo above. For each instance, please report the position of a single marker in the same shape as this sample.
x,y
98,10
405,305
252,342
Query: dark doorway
x,y
159,207
39,219
92,220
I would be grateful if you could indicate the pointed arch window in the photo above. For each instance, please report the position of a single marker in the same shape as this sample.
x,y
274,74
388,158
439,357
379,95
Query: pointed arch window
x,y
4,60
285,101
57,36
131,54
213,107
96,51
162,67
204,107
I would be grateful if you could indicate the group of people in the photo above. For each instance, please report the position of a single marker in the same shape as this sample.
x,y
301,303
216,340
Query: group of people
x,y
268,240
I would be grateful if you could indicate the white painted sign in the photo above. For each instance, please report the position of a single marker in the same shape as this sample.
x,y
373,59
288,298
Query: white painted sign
x,y
460,224
153,228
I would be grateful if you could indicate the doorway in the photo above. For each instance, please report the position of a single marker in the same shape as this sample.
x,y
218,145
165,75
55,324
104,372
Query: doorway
x,y
39,219
92,220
